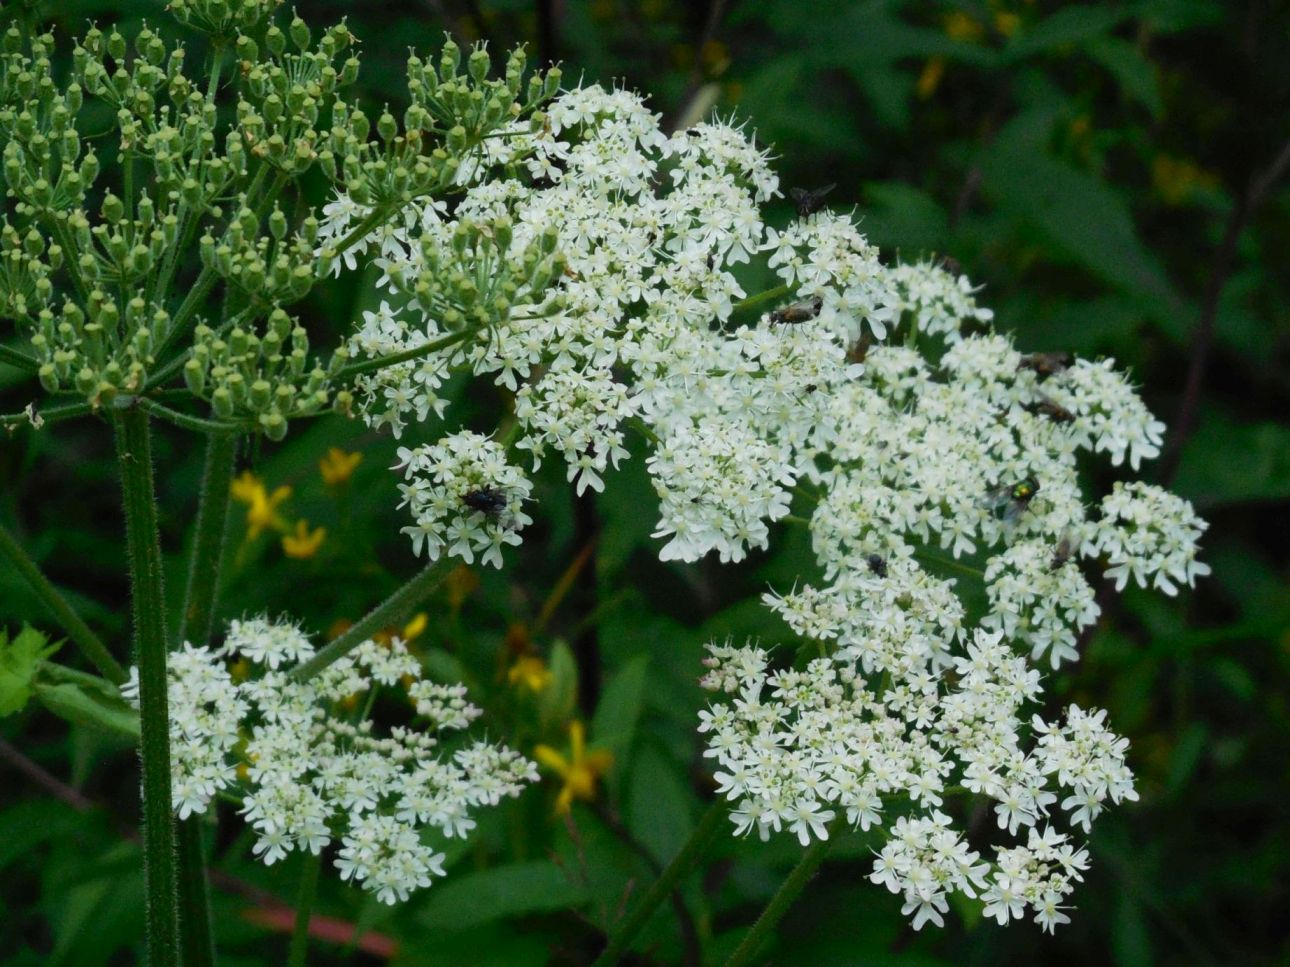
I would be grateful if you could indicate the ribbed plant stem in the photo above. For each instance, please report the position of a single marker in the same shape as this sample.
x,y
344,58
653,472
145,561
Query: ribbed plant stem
x,y
784,898
304,911
681,864
197,621
394,608
90,644
134,458
196,625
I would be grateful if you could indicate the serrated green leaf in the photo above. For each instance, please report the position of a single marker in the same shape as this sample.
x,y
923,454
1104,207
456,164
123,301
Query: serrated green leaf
x,y
19,661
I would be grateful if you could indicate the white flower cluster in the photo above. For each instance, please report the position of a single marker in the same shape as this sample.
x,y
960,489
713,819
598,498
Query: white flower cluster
x,y
309,772
464,497
595,269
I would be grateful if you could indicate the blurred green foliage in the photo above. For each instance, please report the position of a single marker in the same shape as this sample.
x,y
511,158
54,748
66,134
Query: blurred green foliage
x,y
1103,169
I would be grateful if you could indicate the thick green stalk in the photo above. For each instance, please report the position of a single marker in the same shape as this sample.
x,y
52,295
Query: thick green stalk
x,y
147,591
304,911
761,298
196,940
784,898
394,608
90,644
195,625
663,886
381,362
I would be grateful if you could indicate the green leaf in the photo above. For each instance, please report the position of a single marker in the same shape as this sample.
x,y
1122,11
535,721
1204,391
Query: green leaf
x,y
614,723
1135,74
19,662
1227,462
467,900
659,804
1066,27
558,700
905,218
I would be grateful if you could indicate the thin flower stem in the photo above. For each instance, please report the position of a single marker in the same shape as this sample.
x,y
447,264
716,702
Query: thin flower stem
x,y
202,591
195,934
90,644
18,359
134,458
681,864
782,900
381,362
304,910
186,422
761,298
10,421
394,608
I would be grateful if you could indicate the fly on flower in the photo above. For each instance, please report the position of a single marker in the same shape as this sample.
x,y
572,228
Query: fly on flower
x,y
798,312
809,201
492,503
1010,501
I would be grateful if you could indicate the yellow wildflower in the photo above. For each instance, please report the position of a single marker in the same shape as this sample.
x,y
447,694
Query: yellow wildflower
x,y
531,672
261,506
338,466
580,771
415,627
303,543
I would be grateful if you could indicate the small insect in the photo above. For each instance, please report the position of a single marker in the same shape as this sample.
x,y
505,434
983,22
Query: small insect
x,y
1061,554
809,202
488,501
797,312
877,565
1010,502
1053,410
1045,364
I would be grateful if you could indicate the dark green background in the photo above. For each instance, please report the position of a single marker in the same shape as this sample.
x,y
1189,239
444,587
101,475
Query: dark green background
x,y
1102,170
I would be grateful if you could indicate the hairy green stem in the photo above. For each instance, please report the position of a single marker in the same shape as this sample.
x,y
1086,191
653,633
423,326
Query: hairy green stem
x,y
90,644
394,608
681,864
196,940
784,898
195,624
382,362
147,591
197,620
18,359
304,910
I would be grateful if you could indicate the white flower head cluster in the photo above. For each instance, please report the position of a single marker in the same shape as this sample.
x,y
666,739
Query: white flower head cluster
x,y
595,268
310,772
464,497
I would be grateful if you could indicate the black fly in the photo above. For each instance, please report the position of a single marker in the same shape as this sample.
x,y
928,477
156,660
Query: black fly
x,y
877,565
798,312
1045,364
488,501
809,202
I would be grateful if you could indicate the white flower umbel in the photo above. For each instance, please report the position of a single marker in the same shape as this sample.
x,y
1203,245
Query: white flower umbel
x,y
594,267
310,771
465,499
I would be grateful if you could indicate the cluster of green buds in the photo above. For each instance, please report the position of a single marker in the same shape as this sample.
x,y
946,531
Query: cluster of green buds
x,y
102,350
44,170
161,116
451,114
265,380
286,94
270,270
221,17
474,281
